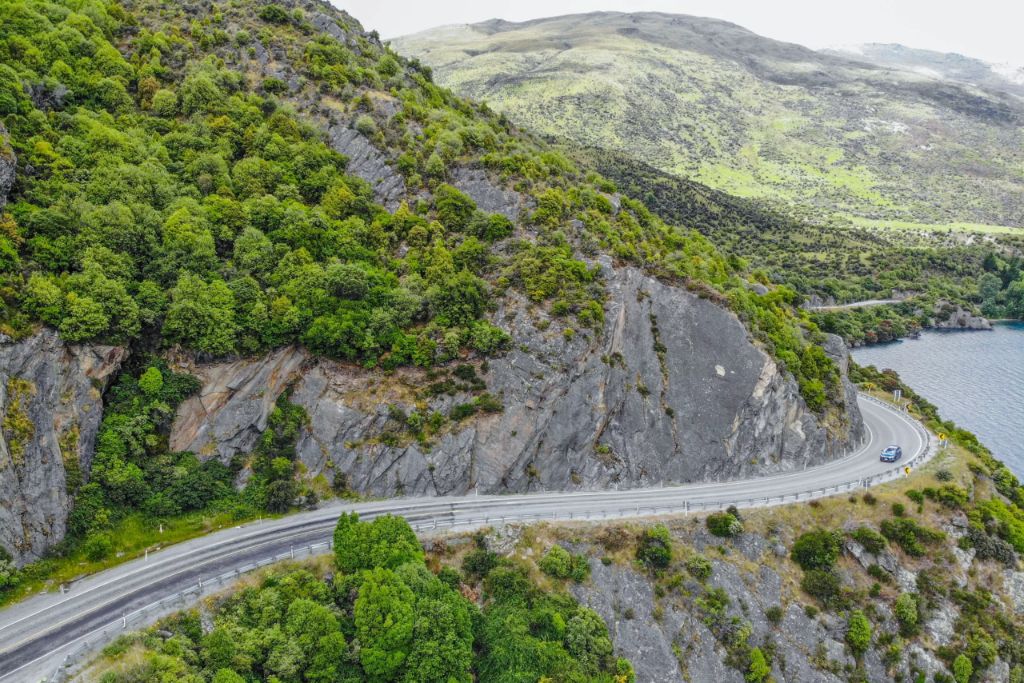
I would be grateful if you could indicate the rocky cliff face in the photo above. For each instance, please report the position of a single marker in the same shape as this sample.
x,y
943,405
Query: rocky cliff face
x,y
672,390
51,402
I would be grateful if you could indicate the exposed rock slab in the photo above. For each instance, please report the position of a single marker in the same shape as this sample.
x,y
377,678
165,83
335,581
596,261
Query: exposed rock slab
x,y
368,163
625,600
51,400
488,196
231,410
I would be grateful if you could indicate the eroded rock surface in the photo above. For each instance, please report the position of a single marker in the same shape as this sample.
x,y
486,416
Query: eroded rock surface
x,y
51,402
368,163
231,410
672,390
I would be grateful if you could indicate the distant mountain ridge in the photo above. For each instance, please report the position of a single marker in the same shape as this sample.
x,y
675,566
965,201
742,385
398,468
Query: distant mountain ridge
x,y
756,117
950,66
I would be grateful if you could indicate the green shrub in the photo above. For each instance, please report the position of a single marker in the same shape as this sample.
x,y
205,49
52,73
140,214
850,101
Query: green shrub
x,y
655,547
962,669
817,549
872,541
858,633
275,14
699,567
876,572
906,611
898,509
366,125
561,564
910,535
724,524
824,585
478,563
759,669
774,614
98,546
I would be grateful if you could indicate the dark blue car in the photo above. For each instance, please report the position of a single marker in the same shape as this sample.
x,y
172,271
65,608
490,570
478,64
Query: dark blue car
x,y
891,454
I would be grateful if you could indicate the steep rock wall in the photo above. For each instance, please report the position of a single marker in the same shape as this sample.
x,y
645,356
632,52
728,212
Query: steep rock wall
x,y
672,390
51,402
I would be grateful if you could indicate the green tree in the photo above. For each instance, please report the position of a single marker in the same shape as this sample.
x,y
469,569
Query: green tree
x,y
151,381
227,676
383,615
387,541
330,661
586,639
962,669
164,103
459,300
201,315
442,649
307,623
83,318
454,208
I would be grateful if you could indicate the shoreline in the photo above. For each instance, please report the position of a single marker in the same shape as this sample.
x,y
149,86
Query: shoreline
x,y
941,330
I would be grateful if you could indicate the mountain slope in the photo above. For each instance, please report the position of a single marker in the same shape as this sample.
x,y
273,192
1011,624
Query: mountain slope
x,y
948,66
752,116
378,287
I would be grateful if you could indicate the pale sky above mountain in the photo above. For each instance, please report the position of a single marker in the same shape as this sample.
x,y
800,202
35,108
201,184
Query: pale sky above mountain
x,y
986,29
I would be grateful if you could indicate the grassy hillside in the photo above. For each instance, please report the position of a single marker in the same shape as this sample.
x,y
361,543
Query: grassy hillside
x,y
754,117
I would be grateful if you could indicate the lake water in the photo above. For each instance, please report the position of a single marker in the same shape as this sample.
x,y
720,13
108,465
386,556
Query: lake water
x,y
974,378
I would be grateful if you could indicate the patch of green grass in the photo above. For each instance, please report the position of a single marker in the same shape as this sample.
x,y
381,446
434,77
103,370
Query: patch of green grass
x,y
131,536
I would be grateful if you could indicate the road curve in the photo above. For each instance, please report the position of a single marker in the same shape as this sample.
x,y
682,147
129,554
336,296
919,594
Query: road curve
x,y
41,632
867,303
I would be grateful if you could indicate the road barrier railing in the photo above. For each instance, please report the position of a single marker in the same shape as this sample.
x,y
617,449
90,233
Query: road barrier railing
x,y
91,643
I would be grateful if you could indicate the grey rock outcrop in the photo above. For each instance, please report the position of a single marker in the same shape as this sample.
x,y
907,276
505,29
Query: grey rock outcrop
x,y
949,317
51,401
488,196
672,390
231,410
677,645
368,163
8,162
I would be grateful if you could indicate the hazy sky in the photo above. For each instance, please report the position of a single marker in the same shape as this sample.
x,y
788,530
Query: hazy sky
x,y
988,29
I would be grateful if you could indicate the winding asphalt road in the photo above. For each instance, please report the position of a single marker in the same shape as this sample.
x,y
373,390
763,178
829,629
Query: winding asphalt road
x,y
40,633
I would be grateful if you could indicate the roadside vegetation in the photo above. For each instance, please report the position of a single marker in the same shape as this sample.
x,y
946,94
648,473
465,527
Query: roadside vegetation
x,y
382,615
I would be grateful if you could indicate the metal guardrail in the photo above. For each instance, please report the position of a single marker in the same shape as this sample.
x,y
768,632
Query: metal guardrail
x,y
145,616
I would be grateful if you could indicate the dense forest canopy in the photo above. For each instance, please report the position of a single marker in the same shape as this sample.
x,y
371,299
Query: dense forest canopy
x,y
383,617
165,195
